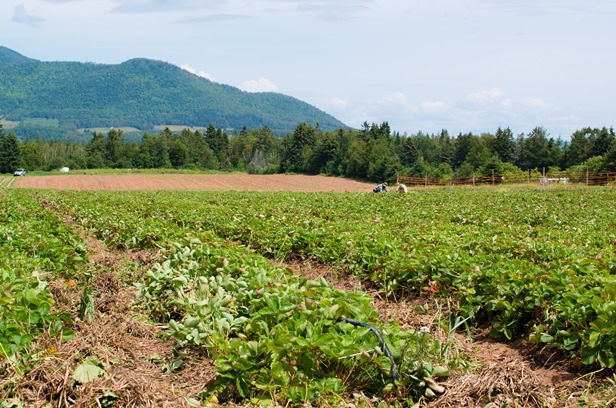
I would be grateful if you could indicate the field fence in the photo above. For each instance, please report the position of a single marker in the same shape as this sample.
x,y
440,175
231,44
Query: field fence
x,y
563,179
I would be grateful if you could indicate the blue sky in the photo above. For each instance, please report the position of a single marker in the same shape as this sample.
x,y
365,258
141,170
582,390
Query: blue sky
x,y
421,65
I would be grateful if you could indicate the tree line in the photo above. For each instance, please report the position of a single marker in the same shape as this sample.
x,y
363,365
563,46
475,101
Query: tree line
x,y
372,153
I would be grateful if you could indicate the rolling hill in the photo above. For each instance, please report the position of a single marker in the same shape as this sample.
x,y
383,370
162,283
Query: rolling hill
x,y
65,99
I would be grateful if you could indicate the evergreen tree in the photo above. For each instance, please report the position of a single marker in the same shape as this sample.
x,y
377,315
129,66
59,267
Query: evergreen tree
x,y
199,153
265,158
299,148
410,154
382,131
447,148
95,151
535,150
323,156
554,153
579,147
603,141
218,141
503,145
13,152
344,139
9,152
463,146
222,148
479,154
492,167
429,149
113,148
265,141
384,163
610,158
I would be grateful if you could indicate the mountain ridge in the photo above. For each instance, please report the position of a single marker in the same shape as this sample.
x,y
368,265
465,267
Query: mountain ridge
x,y
61,99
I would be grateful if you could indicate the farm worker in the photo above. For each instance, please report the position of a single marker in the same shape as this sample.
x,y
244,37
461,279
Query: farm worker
x,y
381,188
402,188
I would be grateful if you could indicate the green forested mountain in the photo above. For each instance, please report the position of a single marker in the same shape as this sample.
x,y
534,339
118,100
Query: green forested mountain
x,y
60,99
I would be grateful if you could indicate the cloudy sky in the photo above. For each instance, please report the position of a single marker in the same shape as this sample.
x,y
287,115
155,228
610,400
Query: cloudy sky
x,y
421,65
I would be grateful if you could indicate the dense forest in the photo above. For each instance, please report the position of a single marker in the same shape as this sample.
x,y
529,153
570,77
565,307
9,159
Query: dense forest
x,y
371,153
62,99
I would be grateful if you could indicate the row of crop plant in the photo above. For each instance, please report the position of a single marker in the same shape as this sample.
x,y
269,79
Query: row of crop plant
x,y
275,337
537,263
36,248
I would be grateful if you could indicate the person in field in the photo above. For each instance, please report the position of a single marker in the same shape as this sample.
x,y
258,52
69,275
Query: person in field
x,y
402,189
381,188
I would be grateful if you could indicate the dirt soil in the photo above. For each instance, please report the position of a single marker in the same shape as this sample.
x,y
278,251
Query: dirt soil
x,y
236,181
136,357
513,375
516,374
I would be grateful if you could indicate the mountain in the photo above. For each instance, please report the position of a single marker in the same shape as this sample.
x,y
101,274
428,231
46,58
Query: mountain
x,y
61,99
8,56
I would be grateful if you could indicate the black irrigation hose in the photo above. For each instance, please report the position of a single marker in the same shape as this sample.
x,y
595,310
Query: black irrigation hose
x,y
394,375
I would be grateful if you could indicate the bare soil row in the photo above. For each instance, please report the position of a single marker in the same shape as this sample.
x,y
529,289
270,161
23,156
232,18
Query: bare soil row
x,y
235,181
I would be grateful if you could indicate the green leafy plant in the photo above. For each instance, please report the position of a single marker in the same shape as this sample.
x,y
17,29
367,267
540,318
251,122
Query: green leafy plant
x,y
32,240
280,337
89,370
526,262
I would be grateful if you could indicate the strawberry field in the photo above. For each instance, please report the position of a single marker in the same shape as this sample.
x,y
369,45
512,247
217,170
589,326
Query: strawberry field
x,y
527,263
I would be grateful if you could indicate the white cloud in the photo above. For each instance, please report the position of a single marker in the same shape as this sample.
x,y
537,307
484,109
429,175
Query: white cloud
x,y
339,10
546,7
535,102
396,98
144,6
202,74
21,16
212,18
258,85
338,103
432,105
506,104
486,96
494,101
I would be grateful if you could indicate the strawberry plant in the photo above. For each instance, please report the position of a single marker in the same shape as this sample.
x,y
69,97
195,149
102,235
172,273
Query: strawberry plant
x,y
280,337
527,262
36,246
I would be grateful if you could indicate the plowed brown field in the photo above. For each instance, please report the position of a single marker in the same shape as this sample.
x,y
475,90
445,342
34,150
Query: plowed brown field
x,y
276,182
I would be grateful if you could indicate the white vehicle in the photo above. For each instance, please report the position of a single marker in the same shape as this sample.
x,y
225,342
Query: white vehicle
x,y
20,172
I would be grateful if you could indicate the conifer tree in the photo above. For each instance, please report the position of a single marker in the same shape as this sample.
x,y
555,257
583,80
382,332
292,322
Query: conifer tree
x,y
9,152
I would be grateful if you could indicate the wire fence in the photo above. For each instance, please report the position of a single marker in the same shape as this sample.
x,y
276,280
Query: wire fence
x,y
587,178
